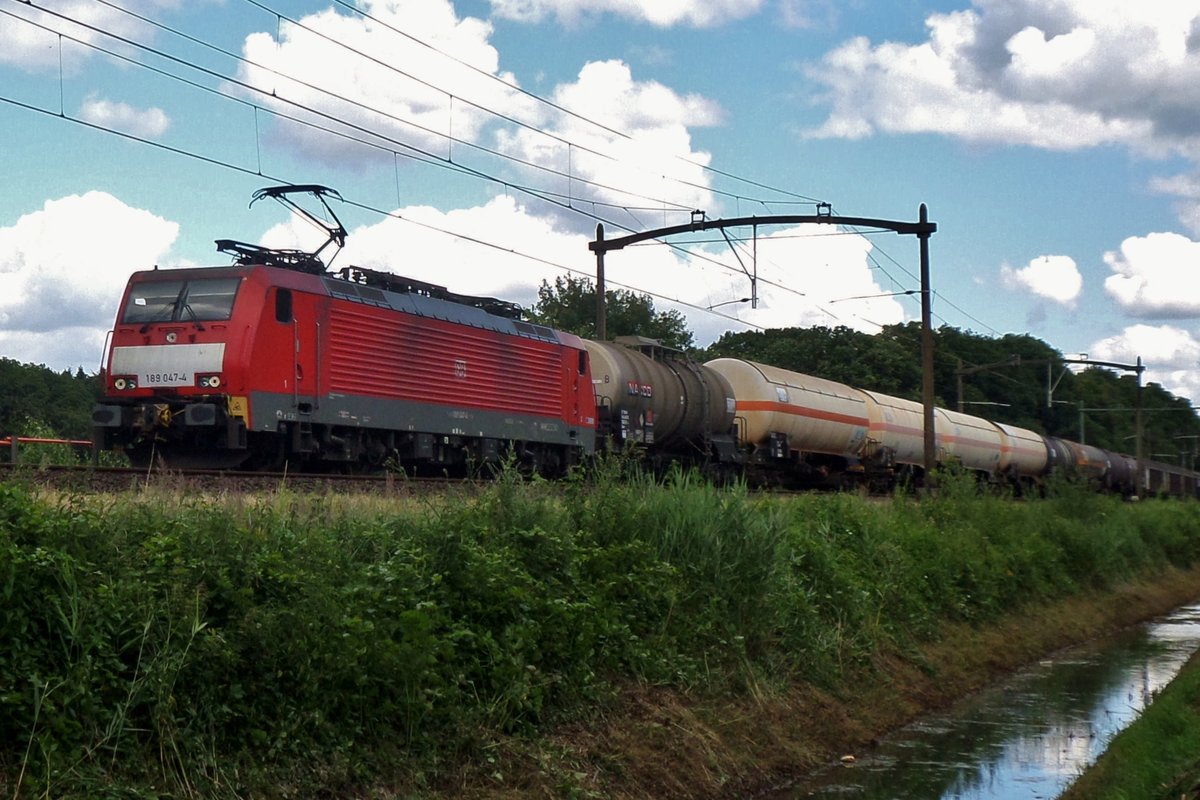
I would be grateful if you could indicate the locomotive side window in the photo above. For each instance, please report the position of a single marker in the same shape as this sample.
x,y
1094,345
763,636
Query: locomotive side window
x,y
283,305
583,362
203,299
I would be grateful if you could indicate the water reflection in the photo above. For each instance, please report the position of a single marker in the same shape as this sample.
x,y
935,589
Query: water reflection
x,y
1029,737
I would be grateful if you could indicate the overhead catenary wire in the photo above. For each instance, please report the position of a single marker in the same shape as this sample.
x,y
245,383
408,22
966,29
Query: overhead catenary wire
x,y
364,206
436,160
499,115
427,157
800,198
430,158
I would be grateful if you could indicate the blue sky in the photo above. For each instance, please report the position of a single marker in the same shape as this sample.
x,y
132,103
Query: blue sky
x,y
1054,143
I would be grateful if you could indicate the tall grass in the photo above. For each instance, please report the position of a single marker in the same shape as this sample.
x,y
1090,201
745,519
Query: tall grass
x,y
287,644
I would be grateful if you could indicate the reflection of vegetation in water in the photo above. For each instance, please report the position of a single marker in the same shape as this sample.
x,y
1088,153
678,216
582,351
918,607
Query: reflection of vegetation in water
x,y
1037,730
1155,757
323,644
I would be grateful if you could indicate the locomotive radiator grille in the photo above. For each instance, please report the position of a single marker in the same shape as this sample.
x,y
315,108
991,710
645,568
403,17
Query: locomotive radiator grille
x,y
418,359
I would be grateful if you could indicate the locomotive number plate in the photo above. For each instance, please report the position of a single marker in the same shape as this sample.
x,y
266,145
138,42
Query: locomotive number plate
x,y
167,379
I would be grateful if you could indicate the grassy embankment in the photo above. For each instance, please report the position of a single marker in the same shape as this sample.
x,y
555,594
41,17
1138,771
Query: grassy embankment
x,y
586,640
1158,756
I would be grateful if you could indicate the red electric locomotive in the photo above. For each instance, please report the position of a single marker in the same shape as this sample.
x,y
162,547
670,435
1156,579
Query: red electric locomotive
x,y
274,362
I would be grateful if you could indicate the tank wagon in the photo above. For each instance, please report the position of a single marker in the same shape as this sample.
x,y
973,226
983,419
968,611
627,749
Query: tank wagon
x,y
795,428
651,396
818,431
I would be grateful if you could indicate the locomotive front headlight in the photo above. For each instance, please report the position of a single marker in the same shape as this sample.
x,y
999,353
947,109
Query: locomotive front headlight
x,y
208,381
119,384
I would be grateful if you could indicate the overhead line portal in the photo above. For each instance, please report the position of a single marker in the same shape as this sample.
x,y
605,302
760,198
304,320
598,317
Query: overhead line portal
x,y
922,229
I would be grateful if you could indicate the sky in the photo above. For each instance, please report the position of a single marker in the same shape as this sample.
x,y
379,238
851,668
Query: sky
x,y
477,144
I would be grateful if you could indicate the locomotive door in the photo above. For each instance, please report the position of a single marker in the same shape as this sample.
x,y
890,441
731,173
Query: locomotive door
x,y
303,356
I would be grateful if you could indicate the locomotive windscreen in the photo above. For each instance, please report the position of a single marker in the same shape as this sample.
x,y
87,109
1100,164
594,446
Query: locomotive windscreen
x,y
173,300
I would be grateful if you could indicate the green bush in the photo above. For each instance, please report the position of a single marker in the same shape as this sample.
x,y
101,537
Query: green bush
x,y
294,644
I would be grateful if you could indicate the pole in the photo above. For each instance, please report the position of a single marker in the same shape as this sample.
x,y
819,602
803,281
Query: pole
x,y
958,374
601,322
1140,431
1082,438
927,351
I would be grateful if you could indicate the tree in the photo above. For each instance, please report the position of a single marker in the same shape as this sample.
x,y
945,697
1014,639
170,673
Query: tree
x,y
61,400
570,305
839,354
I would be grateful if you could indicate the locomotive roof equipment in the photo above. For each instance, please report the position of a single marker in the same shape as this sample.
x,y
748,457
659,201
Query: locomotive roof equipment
x,y
248,254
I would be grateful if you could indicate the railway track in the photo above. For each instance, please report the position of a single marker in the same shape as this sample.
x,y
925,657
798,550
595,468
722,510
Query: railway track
x,y
115,479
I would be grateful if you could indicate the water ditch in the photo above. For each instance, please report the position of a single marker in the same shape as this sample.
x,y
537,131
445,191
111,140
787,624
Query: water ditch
x,y
1026,738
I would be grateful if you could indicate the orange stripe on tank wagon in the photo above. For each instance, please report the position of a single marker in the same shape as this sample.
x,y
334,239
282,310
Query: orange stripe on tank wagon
x,y
943,438
800,411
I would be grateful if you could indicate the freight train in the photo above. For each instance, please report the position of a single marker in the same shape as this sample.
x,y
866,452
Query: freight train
x,y
275,362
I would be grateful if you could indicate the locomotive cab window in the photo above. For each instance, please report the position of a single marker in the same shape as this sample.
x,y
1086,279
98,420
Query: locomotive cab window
x,y
283,305
197,300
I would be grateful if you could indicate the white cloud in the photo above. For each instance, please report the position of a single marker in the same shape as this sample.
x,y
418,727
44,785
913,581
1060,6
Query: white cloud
x,y
637,154
1157,275
1052,277
661,13
823,268
30,35
654,159
62,270
391,92
808,14
1171,356
1186,191
147,122
1062,75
